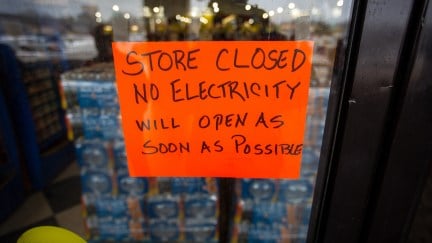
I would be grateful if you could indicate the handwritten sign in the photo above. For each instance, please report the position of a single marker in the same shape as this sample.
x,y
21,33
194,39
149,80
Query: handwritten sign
x,y
216,109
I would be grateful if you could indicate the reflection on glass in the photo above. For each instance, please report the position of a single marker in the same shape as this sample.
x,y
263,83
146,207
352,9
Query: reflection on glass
x,y
76,36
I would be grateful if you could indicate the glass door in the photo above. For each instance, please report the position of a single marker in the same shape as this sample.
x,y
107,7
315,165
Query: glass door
x,y
251,210
78,36
359,49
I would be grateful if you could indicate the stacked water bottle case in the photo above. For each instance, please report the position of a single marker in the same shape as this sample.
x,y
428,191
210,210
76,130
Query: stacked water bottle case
x,y
119,208
271,210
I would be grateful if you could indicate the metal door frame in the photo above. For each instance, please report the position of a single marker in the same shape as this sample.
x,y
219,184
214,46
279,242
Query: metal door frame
x,y
369,123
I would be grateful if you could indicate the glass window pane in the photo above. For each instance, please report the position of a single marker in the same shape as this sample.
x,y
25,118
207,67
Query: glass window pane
x,y
72,41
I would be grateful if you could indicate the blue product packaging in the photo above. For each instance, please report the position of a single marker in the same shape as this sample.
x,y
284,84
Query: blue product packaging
x,y
93,153
309,131
91,123
101,123
163,207
254,192
309,163
164,230
200,206
201,230
120,159
264,233
188,185
109,123
318,99
322,99
303,223
70,91
97,181
306,212
314,131
131,185
111,206
270,213
295,191
97,94
115,229
258,189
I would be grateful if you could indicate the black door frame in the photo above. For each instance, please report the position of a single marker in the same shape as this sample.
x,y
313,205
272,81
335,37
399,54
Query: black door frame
x,y
375,156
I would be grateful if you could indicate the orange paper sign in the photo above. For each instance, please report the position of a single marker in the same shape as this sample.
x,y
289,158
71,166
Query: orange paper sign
x,y
214,109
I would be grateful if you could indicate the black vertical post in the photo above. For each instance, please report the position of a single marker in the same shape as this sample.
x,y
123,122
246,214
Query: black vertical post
x,y
406,157
360,100
227,200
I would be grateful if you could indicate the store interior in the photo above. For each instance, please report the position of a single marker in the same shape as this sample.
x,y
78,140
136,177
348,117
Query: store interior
x,y
62,155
